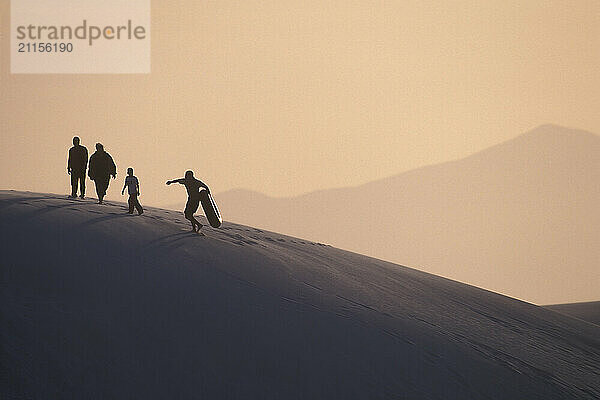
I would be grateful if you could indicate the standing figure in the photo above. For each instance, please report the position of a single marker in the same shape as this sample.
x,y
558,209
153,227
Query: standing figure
x,y
133,188
102,167
76,166
192,185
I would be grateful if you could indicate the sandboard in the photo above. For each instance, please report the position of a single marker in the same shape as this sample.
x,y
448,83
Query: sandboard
x,y
210,209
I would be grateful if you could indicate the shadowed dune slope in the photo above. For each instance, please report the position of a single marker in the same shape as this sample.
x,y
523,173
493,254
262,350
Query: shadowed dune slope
x,y
99,304
589,311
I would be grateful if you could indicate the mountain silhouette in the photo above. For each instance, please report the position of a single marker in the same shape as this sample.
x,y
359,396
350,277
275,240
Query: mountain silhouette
x,y
519,218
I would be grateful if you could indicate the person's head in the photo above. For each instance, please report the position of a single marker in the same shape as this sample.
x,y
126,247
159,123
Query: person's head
x,y
99,147
189,174
130,171
76,141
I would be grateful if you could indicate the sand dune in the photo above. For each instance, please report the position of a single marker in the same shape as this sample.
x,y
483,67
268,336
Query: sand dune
x,y
588,311
520,218
99,304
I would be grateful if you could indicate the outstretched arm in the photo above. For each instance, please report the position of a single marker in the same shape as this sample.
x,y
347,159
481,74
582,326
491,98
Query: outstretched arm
x,y
180,180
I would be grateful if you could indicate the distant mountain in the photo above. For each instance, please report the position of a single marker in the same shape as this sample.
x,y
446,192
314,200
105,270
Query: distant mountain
x,y
520,218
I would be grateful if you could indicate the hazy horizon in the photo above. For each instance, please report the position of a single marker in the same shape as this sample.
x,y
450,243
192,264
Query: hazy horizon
x,y
402,172
179,200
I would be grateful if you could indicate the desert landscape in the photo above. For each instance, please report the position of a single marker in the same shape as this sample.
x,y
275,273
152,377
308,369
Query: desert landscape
x,y
389,200
520,218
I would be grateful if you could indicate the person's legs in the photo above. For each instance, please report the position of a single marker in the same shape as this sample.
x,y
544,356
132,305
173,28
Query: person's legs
x,y
104,181
73,184
194,222
191,219
98,185
101,185
131,202
82,185
137,205
190,208
77,180
197,223
187,214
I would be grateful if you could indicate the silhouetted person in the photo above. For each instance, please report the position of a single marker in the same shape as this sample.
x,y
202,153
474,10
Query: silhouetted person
x,y
102,167
76,166
133,188
192,185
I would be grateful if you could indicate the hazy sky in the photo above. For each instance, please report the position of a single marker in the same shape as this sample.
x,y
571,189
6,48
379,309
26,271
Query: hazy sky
x,y
285,97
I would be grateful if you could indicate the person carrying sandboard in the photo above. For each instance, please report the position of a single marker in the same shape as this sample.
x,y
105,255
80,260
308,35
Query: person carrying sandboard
x,y
192,185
